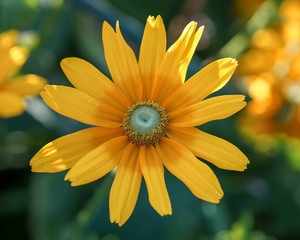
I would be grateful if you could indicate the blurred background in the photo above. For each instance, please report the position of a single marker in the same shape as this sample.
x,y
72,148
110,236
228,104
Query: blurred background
x,y
261,203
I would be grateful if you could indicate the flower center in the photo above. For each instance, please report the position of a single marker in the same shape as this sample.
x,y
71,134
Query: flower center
x,y
145,123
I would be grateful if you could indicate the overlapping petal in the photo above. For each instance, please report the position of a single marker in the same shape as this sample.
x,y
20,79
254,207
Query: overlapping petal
x,y
153,48
27,85
218,151
76,104
10,104
196,175
214,108
174,66
85,77
122,62
208,80
126,186
153,172
98,162
64,152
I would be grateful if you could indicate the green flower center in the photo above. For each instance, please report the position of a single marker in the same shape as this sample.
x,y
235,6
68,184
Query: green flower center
x,y
145,123
144,119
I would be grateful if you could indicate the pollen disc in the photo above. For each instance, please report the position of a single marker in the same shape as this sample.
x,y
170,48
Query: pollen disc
x,y
145,123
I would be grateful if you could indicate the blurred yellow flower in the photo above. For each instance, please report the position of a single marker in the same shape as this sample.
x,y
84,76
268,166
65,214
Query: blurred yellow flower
x,y
271,69
244,9
144,120
14,88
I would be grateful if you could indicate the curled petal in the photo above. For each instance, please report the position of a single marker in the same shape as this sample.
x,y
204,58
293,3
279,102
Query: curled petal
x,y
174,65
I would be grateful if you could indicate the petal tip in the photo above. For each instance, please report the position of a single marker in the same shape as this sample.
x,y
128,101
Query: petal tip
x,y
167,213
118,26
68,60
106,27
201,28
75,184
33,168
235,62
117,221
68,176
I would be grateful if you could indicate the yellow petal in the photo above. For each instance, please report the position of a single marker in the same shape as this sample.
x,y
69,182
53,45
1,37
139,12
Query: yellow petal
x,y
153,172
85,77
98,162
214,108
121,62
10,104
126,186
208,80
11,61
27,85
8,39
76,104
219,152
174,66
180,53
64,152
153,48
196,175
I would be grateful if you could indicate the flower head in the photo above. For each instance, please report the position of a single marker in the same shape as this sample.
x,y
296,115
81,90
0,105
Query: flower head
x,y
144,120
14,88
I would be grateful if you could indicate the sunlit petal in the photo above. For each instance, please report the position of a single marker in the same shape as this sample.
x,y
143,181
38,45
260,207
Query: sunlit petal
x,y
78,105
85,77
121,62
98,162
64,152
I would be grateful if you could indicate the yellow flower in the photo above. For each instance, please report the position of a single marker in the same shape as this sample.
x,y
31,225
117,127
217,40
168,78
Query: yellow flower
x,y
271,72
144,120
14,88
